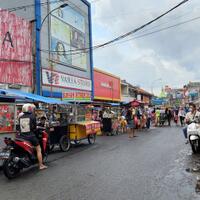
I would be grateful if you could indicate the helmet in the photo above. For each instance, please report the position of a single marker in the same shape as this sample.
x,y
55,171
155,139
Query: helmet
x,y
28,108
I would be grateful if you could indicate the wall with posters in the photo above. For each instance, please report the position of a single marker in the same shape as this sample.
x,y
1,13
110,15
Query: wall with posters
x,y
15,50
106,86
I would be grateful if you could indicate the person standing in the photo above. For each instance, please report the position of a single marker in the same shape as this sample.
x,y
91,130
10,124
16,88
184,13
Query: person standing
x,y
168,114
130,123
149,116
193,115
181,115
176,115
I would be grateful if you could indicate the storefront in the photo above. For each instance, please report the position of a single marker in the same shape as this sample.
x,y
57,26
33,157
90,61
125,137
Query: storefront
x,y
107,94
107,87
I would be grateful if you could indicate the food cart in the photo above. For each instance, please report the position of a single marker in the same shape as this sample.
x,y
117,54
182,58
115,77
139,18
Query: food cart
x,y
58,117
83,127
84,130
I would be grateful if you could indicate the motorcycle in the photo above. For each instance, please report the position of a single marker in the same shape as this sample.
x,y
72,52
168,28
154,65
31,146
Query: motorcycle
x,y
19,154
193,131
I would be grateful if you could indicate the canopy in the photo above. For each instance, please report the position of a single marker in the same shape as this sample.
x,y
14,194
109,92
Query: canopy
x,y
30,96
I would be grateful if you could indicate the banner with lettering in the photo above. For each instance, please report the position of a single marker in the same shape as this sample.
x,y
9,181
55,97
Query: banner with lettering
x,y
61,80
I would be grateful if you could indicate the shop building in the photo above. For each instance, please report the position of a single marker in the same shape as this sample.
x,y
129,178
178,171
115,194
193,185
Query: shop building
x,y
132,93
61,47
107,87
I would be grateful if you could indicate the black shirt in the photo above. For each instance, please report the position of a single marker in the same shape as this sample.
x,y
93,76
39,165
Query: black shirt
x,y
27,123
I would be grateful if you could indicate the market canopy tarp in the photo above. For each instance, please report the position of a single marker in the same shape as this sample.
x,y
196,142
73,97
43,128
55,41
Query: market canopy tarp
x,y
31,96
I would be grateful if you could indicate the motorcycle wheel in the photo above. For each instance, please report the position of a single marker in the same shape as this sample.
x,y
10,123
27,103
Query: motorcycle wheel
x,y
9,170
194,147
65,143
92,138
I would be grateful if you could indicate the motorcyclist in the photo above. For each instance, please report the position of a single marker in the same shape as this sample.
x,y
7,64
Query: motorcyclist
x,y
192,116
27,125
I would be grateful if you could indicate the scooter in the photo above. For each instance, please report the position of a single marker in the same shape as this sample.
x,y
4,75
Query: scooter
x,y
193,131
19,154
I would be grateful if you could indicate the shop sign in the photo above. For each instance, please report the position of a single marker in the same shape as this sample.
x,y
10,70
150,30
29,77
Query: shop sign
x,y
61,80
15,50
77,96
106,86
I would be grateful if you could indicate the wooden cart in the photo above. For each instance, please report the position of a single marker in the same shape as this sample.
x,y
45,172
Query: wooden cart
x,y
84,130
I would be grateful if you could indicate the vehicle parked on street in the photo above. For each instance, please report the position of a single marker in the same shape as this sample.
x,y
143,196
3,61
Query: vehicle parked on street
x,y
19,154
193,131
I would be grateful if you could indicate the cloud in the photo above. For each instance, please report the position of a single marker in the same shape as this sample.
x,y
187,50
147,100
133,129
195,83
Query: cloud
x,y
172,55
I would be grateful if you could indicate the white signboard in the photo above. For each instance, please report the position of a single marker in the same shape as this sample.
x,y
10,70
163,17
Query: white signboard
x,y
57,79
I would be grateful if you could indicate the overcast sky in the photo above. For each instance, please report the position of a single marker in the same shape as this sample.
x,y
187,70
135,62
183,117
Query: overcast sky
x,y
172,55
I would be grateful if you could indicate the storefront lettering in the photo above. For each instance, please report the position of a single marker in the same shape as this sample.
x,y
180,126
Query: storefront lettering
x,y
8,38
106,85
52,77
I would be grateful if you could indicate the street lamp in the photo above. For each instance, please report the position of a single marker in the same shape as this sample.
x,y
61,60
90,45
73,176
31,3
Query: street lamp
x,y
61,6
38,49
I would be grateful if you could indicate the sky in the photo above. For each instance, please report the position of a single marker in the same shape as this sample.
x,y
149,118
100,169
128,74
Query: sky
x,y
170,57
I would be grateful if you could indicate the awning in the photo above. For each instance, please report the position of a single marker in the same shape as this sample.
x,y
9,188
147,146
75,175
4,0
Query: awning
x,y
30,96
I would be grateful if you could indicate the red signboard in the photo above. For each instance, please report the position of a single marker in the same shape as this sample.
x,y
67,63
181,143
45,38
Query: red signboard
x,y
15,50
106,86
77,96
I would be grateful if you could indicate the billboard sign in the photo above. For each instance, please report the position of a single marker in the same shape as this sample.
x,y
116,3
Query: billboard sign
x,y
57,79
106,86
15,50
77,96
68,34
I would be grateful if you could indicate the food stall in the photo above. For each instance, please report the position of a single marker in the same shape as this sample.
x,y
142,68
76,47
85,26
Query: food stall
x,y
82,126
56,112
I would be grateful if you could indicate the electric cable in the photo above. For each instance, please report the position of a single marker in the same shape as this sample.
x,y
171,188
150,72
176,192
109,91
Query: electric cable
x,y
128,33
137,37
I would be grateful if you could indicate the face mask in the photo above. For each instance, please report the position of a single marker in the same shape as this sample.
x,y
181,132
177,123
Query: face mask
x,y
190,109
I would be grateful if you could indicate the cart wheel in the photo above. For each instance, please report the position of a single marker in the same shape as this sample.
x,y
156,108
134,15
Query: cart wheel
x,y
91,138
64,143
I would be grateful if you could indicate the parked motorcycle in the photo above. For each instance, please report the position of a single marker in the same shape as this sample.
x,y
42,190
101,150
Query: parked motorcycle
x,y
19,154
193,131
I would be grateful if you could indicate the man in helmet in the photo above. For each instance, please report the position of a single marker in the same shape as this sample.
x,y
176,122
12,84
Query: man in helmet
x,y
27,125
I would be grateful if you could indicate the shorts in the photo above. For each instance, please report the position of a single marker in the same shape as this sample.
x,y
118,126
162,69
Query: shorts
x,y
131,124
32,139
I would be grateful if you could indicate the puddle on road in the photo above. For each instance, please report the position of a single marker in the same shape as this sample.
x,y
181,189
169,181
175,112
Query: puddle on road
x,y
178,183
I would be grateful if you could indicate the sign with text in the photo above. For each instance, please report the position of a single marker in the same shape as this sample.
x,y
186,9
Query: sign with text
x,y
106,86
77,96
15,50
61,80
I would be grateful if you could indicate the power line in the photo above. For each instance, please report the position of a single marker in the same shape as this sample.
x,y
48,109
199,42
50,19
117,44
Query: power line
x,y
160,30
126,34
42,4
137,37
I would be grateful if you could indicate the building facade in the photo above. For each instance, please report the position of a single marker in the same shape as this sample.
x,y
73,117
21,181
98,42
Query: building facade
x,y
62,41
106,86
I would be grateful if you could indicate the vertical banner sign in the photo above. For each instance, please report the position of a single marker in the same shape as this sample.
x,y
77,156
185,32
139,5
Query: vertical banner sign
x,y
15,50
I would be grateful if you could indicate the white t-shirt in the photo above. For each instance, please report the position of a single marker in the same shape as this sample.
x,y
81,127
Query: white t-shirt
x,y
192,116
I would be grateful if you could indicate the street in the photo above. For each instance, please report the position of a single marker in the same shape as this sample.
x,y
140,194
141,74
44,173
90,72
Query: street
x,y
148,167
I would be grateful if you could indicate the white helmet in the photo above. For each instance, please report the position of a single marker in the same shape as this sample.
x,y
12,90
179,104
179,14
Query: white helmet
x,y
28,108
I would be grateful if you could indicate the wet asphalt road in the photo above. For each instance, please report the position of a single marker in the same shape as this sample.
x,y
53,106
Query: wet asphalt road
x,y
149,167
